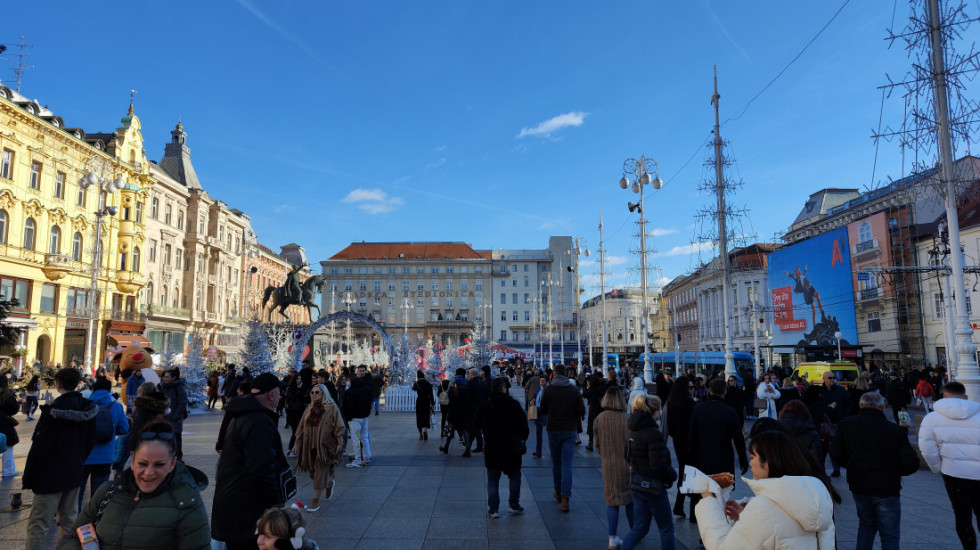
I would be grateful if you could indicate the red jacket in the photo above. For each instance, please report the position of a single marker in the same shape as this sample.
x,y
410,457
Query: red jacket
x,y
924,389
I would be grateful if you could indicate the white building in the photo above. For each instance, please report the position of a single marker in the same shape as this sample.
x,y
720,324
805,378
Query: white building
x,y
533,296
748,291
623,319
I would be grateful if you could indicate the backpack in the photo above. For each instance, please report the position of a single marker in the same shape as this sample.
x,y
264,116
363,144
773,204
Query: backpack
x,y
444,398
104,426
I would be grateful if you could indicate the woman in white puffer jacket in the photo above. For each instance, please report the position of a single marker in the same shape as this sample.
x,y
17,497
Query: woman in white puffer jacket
x,y
791,510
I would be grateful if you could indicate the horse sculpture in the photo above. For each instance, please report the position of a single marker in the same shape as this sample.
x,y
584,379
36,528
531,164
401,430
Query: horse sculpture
x,y
308,290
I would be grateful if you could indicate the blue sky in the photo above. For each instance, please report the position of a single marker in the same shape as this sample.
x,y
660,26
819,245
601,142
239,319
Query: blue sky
x,y
493,123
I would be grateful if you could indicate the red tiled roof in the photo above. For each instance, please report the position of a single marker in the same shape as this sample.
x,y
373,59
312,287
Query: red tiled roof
x,y
410,251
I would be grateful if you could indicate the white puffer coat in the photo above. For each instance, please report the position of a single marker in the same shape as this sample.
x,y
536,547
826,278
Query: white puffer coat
x,y
949,438
787,513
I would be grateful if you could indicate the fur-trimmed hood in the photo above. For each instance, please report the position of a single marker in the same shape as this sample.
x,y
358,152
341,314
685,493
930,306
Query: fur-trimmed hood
x,y
72,407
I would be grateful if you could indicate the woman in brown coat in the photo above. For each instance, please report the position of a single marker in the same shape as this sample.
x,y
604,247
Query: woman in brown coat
x,y
610,440
319,443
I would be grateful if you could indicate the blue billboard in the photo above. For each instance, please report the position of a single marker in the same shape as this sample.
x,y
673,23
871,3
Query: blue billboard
x,y
813,292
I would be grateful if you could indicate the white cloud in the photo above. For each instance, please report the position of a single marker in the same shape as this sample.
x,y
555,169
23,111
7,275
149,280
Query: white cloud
x,y
373,201
545,129
661,231
687,250
284,208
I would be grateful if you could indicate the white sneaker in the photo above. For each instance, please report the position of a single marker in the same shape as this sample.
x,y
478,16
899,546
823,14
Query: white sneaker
x,y
615,543
355,464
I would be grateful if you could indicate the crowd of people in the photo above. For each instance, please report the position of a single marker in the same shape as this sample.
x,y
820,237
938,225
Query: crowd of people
x,y
141,494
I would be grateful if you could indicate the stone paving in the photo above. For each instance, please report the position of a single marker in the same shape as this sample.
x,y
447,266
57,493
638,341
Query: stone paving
x,y
415,497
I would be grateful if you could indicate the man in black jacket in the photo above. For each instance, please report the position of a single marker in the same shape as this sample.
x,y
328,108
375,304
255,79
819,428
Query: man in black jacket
x,y
504,426
357,409
714,431
62,440
828,403
247,480
562,404
876,454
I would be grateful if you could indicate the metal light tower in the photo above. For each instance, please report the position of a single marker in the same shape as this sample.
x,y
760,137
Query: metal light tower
x,y
722,237
967,371
105,186
641,169
602,294
405,307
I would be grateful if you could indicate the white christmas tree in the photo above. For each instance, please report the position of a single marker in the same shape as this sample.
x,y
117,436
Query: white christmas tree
x,y
168,359
255,350
193,373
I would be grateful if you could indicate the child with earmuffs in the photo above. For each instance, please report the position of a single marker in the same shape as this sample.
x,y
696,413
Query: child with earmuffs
x,y
283,529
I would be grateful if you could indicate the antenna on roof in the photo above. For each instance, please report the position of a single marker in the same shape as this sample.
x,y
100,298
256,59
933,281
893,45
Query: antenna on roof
x,y
22,56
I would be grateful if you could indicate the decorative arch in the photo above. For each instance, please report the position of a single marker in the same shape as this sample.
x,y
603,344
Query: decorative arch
x,y
300,344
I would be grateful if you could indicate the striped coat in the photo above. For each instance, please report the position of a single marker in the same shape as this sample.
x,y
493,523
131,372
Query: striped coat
x,y
610,440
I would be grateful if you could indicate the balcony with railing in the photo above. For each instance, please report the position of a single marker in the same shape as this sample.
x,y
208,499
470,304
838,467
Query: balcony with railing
x,y
866,249
868,293
129,315
154,310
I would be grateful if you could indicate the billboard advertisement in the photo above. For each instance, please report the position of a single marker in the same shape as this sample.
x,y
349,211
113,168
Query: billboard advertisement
x,y
813,292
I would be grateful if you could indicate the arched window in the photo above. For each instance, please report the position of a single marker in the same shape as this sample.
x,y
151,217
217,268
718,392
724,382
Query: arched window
x,y
122,261
148,296
864,232
136,259
29,228
3,226
54,244
163,296
76,247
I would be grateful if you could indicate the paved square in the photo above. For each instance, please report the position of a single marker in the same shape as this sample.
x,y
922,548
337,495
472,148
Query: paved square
x,y
415,497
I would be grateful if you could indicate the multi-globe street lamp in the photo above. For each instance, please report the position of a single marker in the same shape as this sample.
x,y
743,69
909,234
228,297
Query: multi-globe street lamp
x,y
641,169
103,182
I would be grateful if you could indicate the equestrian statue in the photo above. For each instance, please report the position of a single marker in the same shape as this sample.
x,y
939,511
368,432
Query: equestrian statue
x,y
293,292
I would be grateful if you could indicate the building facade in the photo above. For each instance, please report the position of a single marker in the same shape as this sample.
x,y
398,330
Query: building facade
x,y
681,297
47,232
623,322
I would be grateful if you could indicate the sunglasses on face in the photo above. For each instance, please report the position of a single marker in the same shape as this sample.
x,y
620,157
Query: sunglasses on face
x,y
163,436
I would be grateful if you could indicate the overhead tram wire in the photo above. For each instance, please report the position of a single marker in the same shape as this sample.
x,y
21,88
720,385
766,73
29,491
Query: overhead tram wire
x,y
788,65
771,82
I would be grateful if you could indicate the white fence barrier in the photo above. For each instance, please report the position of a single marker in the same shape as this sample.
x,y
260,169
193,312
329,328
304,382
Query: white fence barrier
x,y
402,399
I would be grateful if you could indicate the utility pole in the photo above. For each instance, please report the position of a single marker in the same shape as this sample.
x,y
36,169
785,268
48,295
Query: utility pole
x,y
602,293
722,234
677,343
755,330
967,371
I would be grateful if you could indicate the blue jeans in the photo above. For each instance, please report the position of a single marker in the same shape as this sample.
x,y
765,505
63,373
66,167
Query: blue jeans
x,y
493,488
539,425
878,514
645,507
377,404
612,518
562,447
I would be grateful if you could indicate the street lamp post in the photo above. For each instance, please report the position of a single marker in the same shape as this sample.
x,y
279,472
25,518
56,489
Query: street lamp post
x,y
105,186
641,169
348,300
837,336
405,307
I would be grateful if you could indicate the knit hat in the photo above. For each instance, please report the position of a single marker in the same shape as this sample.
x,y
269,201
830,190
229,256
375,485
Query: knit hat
x,y
264,383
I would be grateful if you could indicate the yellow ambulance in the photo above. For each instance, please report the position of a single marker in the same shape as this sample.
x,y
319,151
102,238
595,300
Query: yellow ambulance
x,y
845,371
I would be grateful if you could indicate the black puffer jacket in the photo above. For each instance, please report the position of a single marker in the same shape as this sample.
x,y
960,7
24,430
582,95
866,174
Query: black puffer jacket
x,y
646,449
246,483
876,453
357,399
8,408
502,419
563,405
804,431
176,393
62,440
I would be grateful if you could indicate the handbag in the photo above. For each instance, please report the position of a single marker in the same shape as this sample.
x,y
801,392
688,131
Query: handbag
x,y
648,485
759,403
532,412
287,484
827,428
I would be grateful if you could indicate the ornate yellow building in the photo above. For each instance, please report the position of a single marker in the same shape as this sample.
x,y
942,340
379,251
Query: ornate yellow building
x,y
47,227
